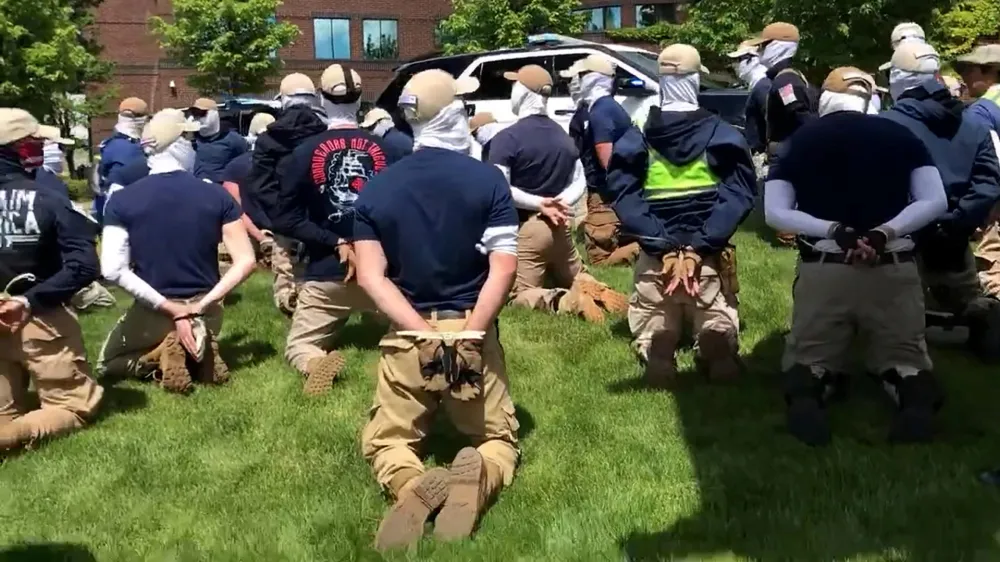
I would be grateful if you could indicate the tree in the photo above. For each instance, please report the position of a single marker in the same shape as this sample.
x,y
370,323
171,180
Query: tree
x,y
958,29
46,54
481,25
232,45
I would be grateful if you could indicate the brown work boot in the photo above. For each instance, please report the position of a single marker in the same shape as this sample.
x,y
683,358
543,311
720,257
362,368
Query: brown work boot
x,y
578,301
404,524
212,369
605,297
322,371
626,255
786,239
147,365
173,366
717,357
661,361
467,497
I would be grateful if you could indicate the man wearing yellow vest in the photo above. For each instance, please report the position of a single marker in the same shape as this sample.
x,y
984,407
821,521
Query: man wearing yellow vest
x,y
682,191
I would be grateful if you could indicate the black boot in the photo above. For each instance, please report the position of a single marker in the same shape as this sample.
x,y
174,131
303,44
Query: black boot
x,y
919,397
983,320
804,393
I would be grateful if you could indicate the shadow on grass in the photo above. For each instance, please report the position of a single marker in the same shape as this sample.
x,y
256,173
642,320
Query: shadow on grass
x,y
238,352
444,441
233,298
364,333
120,399
47,552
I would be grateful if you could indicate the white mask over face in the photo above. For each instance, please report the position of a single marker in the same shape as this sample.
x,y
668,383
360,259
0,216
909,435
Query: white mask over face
x,y
524,102
594,86
832,102
902,80
130,126
299,99
178,156
341,114
210,123
52,157
575,93
778,51
449,129
679,92
750,71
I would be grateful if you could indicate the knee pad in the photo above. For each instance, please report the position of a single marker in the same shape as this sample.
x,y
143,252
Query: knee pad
x,y
920,390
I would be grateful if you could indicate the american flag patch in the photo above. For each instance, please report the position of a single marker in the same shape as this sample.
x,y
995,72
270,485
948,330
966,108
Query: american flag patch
x,y
787,93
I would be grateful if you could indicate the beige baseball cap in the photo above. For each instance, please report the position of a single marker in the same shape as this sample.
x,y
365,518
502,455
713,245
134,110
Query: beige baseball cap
x,y
17,124
598,64
334,83
534,78
205,104
777,31
165,127
296,84
53,134
133,107
374,116
430,91
480,119
745,48
260,123
680,59
906,30
849,80
916,57
983,54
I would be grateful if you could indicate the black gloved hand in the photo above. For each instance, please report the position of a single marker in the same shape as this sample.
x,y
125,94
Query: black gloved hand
x,y
876,240
845,237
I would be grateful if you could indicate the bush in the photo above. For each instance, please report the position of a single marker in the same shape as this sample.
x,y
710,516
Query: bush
x,y
79,189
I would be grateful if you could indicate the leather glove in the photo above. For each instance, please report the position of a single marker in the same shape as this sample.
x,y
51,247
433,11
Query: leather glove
x,y
845,236
690,263
671,265
432,364
347,259
468,384
877,238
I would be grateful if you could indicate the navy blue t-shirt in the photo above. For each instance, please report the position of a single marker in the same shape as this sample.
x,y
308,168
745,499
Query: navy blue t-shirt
x,y
130,173
605,122
51,183
429,212
400,143
216,152
176,252
237,172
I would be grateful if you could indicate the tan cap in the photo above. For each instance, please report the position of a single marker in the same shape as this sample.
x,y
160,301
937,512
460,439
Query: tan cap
x,y
134,107
205,104
984,54
480,119
574,69
260,123
534,78
680,59
906,30
374,116
430,91
16,124
598,64
295,84
912,56
166,127
849,80
334,83
53,134
777,31
745,48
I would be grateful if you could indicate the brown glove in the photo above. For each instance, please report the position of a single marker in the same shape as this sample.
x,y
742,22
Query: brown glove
x,y
469,382
431,353
348,259
671,263
266,248
686,273
730,272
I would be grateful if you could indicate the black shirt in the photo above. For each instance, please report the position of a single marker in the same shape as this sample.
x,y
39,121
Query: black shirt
x,y
791,102
237,172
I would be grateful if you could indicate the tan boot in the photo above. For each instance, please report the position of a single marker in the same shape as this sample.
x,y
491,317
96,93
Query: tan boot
x,y
173,366
719,359
322,371
661,361
147,365
404,524
578,301
467,497
212,369
626,255
605,297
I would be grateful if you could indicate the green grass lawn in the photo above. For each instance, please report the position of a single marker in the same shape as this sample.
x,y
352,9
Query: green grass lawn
x,y
256,471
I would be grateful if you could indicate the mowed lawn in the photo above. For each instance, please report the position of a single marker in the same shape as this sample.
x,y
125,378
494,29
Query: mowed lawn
x,y
255,471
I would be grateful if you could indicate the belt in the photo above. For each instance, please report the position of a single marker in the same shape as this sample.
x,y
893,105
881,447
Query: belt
x,y
435,315
828,257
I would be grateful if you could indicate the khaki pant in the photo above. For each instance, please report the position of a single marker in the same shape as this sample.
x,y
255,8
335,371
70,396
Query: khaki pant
x,y
951,291
600,233
988,260
651,311
137,333
50,350
324,307
835,302
401,416
284,265
94,294
543,249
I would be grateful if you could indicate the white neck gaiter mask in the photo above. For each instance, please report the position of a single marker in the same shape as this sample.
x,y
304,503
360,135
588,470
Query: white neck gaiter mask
x,y
179,156
778,51
751,71
449,129
594,86
832,102
679,92
525,103
130,126
341,114
52,158
299,99
210,124
574,89
902,80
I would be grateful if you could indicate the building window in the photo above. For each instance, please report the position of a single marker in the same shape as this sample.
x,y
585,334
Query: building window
x,y
599,19
380,39
652,14
332,38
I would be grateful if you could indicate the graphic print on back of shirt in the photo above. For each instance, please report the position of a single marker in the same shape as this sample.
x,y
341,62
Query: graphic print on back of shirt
x,y
340,168
18,224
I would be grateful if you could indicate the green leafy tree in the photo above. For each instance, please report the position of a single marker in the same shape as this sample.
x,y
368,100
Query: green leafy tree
x,y
480,25
958,29
386,47
232,45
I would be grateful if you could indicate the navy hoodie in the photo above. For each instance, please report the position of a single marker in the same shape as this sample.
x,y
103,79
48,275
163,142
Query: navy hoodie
x,y
215,152
704,221
962,150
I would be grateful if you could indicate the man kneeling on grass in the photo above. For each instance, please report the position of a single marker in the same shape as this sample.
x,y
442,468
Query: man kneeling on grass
x,y
441,272
168,226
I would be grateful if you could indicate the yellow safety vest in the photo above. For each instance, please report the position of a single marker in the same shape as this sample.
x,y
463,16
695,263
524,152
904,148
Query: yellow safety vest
x,y
666,180
993,94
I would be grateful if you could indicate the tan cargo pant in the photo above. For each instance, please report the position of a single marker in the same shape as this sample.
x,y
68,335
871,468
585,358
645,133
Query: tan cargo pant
x,y
544,249
401,416
652,311
833,302
324,307
285,265
137,333
50,350
951,291
988,260
600,233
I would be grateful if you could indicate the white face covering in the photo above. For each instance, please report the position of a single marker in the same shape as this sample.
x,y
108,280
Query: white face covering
x,y
449,129
130,126
594,86
524,102
679,92
52,157
574,89
178,156
778,51
209,123
750,71
832,102
299,99
908,39
902,80
341,114
382,127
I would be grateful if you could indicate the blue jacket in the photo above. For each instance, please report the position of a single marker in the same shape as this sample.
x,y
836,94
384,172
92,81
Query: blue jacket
x,y
756,115
117,151
399,143
214,153
962,151
986,113
704,221
51,182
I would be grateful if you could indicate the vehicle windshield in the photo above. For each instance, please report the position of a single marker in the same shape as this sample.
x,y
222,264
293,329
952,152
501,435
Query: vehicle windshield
x,y
646,63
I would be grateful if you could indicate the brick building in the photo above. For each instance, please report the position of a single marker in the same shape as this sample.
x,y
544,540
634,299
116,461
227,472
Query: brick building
x,y
374,35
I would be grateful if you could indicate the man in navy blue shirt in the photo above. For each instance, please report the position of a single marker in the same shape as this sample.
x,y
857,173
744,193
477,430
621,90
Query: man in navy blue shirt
x,y
47,255
546,179
379,123
320,181
215,146
124,176
598,123
436,239
754,74
169,262
120,149
856,272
